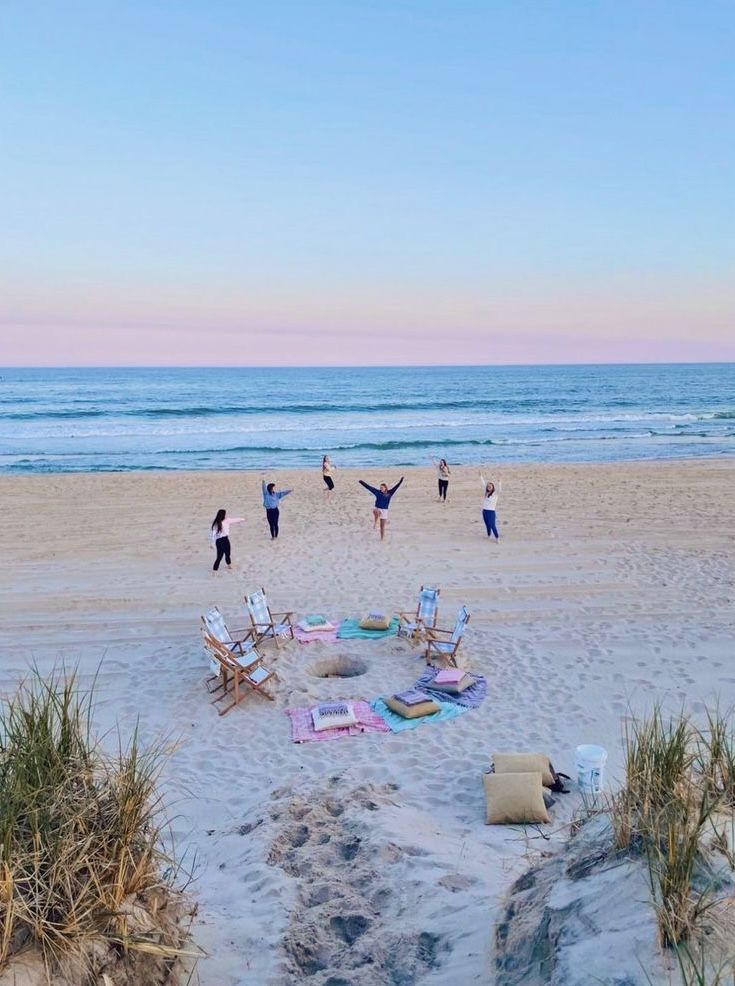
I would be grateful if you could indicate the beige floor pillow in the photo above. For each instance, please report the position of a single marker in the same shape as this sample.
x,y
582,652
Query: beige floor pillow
x,y
332,719
514,799
375,621
411,711
522,763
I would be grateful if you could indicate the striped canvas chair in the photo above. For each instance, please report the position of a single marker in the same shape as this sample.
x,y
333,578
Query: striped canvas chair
x,y
238,673
444,648
240,642
267,625
413,625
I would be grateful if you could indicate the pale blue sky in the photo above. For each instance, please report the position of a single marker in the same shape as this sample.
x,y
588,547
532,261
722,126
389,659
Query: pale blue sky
x,y
542,181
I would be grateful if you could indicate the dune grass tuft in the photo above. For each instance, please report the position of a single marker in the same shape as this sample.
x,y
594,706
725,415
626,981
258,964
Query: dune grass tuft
x,y
81,848
679,786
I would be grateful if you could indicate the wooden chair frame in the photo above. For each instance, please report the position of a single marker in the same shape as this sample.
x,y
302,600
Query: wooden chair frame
x,y
267,630
433,638
236,676
410,619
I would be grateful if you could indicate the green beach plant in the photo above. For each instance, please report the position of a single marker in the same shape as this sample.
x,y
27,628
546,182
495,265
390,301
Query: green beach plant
x,y
679,782
82,856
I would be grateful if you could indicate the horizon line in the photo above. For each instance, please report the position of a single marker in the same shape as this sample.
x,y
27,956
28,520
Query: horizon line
x,y
349,366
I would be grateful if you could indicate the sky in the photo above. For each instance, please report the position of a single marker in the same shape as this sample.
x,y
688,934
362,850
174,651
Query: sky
x,y
231,182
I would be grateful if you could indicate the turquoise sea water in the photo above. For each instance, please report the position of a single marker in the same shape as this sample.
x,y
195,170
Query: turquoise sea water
x,y
68,420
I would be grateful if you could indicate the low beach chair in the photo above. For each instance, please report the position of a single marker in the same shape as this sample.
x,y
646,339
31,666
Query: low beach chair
x,y
413,625
238,672
267,625
236,640
443,649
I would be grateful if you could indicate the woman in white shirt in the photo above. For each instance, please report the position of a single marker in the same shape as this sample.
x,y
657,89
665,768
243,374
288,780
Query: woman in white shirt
x,y
327,470
442,474
219,537
489,506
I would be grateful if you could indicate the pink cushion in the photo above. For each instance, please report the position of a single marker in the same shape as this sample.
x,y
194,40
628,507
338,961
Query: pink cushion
x,y
449,676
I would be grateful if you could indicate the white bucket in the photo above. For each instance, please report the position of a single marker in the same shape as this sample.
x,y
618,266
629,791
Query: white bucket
x,y
590,763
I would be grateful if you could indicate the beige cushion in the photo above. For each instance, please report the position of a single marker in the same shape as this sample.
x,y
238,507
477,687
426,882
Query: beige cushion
x,y
522,763
411,711
514,799
451,687
375,621
332,721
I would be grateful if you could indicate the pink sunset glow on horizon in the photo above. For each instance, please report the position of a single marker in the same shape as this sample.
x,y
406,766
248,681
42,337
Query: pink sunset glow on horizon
x,y
618,323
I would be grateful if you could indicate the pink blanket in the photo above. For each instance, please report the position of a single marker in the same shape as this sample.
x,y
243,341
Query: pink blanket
x,y
306,636
302,727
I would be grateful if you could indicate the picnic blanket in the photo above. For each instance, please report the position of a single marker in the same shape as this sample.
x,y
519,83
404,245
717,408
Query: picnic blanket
x,y
350,629
447,710
307,636
470,698
302,725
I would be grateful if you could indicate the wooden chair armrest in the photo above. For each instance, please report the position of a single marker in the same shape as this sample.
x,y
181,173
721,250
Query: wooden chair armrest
x,y
287,613
433,630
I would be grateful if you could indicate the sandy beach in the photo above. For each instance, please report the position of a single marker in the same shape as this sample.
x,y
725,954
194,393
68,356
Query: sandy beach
x,y
368,858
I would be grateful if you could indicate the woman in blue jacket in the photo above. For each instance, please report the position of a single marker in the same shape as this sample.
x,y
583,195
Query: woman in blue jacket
x,y
271,501
382,502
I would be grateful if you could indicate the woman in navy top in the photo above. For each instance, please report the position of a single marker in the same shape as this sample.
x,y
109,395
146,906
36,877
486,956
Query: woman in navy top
x,y
382,502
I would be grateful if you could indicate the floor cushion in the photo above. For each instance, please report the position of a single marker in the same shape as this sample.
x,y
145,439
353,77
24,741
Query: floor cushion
x,y
522,763
514,799
411,711
375,621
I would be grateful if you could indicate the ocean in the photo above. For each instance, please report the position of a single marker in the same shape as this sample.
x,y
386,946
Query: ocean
x,y
101,420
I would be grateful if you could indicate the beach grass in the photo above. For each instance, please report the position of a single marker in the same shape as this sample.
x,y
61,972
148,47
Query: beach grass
x,y
85,881
678,789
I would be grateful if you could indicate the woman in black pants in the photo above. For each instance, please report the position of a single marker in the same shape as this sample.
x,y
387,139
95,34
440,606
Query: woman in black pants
x,y
271,500
219,537
442,474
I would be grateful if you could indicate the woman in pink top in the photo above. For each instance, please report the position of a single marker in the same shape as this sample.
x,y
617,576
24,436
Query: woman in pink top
x,y
219,537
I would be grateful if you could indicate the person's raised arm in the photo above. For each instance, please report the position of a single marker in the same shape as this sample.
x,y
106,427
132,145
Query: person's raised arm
x,y
282,493
392,491
483,481
236,520
368,487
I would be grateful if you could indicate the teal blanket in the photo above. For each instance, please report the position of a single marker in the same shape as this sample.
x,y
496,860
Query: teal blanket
x,y
397,723
351,630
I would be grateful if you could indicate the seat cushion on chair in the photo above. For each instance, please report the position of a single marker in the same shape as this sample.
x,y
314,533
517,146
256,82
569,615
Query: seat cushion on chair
x,y
375,621
411,711
523,763
258,675
514,799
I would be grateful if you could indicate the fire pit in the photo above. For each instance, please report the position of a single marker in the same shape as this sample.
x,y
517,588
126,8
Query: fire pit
x,y
338,667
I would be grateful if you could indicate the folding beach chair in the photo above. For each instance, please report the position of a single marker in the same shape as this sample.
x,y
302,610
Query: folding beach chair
x,y
237,641
446,649
413,625
267,625
238,672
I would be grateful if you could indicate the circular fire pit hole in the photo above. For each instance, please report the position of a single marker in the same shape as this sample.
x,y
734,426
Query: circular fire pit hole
x,y
338,667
